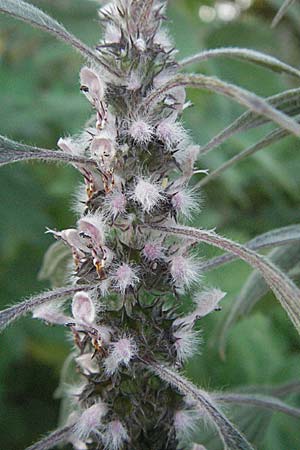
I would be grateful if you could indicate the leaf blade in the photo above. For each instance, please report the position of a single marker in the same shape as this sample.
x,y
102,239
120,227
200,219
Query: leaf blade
x,y
269,139
254,289
284,289
258,400
231,437
277,237
244,54
53,439
240,95
34,16
19,310
287,102
11,152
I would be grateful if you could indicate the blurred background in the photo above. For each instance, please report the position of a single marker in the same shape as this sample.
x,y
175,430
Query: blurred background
x,y
40,102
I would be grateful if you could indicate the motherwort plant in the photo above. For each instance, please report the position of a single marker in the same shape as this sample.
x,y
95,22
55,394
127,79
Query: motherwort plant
x,y
133,260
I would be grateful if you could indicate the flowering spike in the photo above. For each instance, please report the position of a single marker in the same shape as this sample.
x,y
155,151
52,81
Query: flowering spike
x,y
137,160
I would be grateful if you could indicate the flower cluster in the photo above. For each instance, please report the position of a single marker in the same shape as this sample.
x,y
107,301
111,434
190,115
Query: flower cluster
x,y
143,160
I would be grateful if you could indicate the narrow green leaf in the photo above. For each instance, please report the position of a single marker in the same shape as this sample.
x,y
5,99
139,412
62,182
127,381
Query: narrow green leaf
x,y
281,12
34,16
11,151
255,288
283,287
258,400
269,139
274,238
287,102
244,54
53,439
240,95
231,437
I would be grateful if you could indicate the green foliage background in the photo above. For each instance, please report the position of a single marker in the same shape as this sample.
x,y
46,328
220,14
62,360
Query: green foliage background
x,y
39,102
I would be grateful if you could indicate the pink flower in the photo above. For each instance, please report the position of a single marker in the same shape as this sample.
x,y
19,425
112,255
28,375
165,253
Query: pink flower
x,y
125,277
185,423
50,313
141,131
147,194
90,421
184,270
93,226
83,308
171,132
115,204
69,146
184,202
122,353
115,435
186,343
153,251
92,86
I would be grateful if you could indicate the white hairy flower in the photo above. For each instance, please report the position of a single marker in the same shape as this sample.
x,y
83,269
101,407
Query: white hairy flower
x,y
206,302
185,423
87,364
186,343
68,145
115,204
184,202
90,421
153,251
83,308
51,313
170,132
115,435
147,194
125,277
92,86
121,354
141,131
185,270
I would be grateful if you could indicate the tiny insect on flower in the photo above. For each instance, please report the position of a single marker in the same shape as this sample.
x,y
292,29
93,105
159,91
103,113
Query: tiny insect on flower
x,y
92,86
93,225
